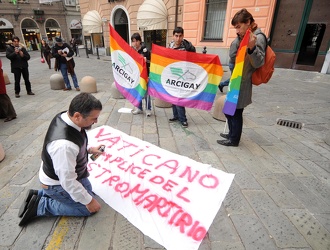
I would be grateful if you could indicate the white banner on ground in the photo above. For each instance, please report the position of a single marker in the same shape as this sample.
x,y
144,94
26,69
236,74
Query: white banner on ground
x,y
170,198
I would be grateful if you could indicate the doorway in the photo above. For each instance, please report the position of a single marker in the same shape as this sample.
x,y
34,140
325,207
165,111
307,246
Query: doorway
x,y
121,24
299,36
311,43
154,36
52,29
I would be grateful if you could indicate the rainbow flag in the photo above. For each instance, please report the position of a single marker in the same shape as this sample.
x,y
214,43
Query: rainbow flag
x,y
129,69
184,78
234,86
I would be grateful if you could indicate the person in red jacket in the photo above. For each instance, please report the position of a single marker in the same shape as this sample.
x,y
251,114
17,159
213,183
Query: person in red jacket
x,y
7,110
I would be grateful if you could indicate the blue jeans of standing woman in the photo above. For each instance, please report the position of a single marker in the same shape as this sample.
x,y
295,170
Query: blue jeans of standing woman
x,y
55,201
148,102
64,71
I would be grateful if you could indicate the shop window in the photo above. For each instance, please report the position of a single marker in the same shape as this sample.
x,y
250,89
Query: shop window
x,y
98,39
215,15
70,2
52,29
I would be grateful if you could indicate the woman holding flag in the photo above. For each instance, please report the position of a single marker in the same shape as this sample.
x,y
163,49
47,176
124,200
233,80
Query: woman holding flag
x,y
255,47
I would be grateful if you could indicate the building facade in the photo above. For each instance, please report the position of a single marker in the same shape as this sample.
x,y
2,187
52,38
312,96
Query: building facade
x,y
206,22
297,29
33,20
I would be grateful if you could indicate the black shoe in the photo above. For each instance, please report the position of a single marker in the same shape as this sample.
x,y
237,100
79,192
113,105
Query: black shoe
x,y
31,211
17,95
228,143
8,119
226,136
30,93
26,201
184,124
174,119
221,88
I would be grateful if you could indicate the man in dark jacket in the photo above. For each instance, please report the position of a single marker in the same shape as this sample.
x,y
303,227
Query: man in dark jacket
x,y
19,57
63,54
178,43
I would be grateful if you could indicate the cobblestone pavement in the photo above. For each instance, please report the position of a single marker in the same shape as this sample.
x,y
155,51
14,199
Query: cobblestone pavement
x,y
280,196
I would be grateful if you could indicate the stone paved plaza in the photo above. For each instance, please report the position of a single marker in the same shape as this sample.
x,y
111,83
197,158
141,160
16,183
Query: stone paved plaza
x,y
280,196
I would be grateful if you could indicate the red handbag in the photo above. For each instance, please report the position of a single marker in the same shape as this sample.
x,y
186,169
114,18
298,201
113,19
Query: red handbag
x,y
42,60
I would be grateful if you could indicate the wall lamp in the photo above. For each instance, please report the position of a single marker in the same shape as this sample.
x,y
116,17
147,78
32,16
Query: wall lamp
x,y
17,14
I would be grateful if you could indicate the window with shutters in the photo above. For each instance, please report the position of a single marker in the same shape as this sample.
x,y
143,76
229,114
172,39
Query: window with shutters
x,y
215,15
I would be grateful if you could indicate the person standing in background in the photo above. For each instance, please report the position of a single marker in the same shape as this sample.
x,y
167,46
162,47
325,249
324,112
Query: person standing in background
x,y
64,62
142,50
46,52
19,57
73,45
7,110
179,43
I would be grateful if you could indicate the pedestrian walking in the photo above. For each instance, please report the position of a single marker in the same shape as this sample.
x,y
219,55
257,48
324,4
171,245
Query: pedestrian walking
x,y
46,53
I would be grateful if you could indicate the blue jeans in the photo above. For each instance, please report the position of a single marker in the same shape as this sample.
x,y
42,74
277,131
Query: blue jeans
x,y
55,201
64,71
147,99
179,112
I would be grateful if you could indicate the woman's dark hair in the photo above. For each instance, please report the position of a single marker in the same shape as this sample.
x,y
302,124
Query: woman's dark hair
x,y
243,16
178,30
84,103
136,36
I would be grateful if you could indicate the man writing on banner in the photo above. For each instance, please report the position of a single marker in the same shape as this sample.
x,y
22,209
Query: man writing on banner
x,y
179,43
66,190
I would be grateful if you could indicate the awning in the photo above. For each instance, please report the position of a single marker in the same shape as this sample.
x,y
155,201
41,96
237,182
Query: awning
x,y
92,22
5,24
75,24
152,15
